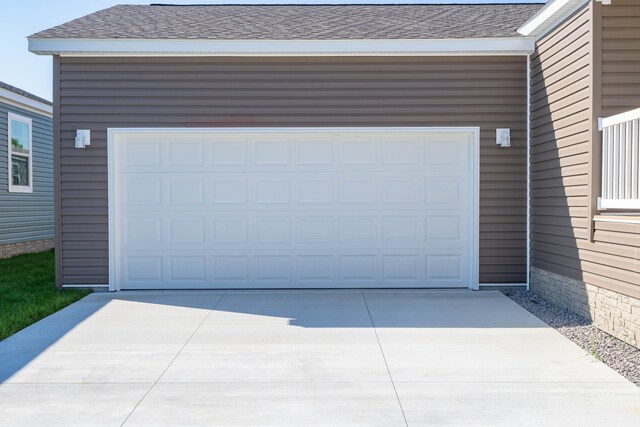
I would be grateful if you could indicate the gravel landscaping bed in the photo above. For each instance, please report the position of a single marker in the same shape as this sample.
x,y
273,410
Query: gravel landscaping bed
x,y
621,357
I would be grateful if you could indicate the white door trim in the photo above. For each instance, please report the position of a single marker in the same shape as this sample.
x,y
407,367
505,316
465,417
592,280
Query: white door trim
x,y
113,172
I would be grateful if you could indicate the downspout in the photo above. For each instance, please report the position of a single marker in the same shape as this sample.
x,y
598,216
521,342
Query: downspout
x,y
528,170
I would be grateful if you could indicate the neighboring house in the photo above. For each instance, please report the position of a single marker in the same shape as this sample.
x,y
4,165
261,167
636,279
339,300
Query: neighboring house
x,y
26,172
350,146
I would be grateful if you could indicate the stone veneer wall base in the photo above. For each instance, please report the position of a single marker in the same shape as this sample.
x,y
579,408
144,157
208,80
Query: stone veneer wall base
x,y
12,249
614,313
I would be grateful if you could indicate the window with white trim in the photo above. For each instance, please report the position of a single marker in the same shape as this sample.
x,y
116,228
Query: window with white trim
x,y
20,154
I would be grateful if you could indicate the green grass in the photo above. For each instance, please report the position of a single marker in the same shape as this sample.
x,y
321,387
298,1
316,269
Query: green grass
x,y
28,292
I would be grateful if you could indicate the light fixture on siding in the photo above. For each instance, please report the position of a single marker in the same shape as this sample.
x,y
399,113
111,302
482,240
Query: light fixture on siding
x,y
83,138
503,137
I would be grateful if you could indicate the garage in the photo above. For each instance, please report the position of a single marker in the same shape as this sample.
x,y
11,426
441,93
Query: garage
x,y
293,208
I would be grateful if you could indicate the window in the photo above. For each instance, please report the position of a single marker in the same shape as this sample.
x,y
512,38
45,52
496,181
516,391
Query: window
x,y
20,154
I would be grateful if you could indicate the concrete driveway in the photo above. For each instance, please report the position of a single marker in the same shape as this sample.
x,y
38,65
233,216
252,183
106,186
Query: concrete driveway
x,y
302,358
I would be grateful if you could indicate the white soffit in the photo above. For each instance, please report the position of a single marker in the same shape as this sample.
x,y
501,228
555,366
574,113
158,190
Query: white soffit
x,y
26,103
554,12
181,47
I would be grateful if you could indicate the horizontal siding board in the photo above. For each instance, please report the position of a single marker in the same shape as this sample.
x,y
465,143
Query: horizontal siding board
x,y
625,228
573,144
626,239
97,93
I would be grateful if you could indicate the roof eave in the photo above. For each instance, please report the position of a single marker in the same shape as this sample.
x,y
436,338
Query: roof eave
x,y
517,45
550,15
25,103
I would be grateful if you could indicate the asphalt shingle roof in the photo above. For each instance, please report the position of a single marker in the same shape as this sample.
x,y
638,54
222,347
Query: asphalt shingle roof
x,y
306,22
24,93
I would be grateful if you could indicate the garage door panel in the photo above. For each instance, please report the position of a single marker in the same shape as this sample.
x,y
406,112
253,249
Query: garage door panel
x,y
331,230
277,269
293,209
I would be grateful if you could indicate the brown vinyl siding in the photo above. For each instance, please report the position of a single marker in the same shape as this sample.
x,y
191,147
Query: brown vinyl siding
x,y
620,57
620,92
560,135
97,93
561,113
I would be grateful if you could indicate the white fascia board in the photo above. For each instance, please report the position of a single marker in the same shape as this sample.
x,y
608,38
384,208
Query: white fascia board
x,y
551,14
21,101
179,47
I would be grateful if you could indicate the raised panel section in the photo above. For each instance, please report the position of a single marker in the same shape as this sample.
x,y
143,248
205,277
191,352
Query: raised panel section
x,y
228,153
142,230
186,192
403,228
444,268
405,152
358,229
400,190
445,153
272,191
449,189
187,268
315,268
138,153
358,267
229,230
228,191
186,230
230,268
273,268
273,230
272,152
312,191
357,151
400,267
315,153
358,190
143,268
185,153
315,229
445,229
142,192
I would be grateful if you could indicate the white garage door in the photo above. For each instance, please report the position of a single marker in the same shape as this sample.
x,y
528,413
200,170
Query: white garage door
x,y
292,208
